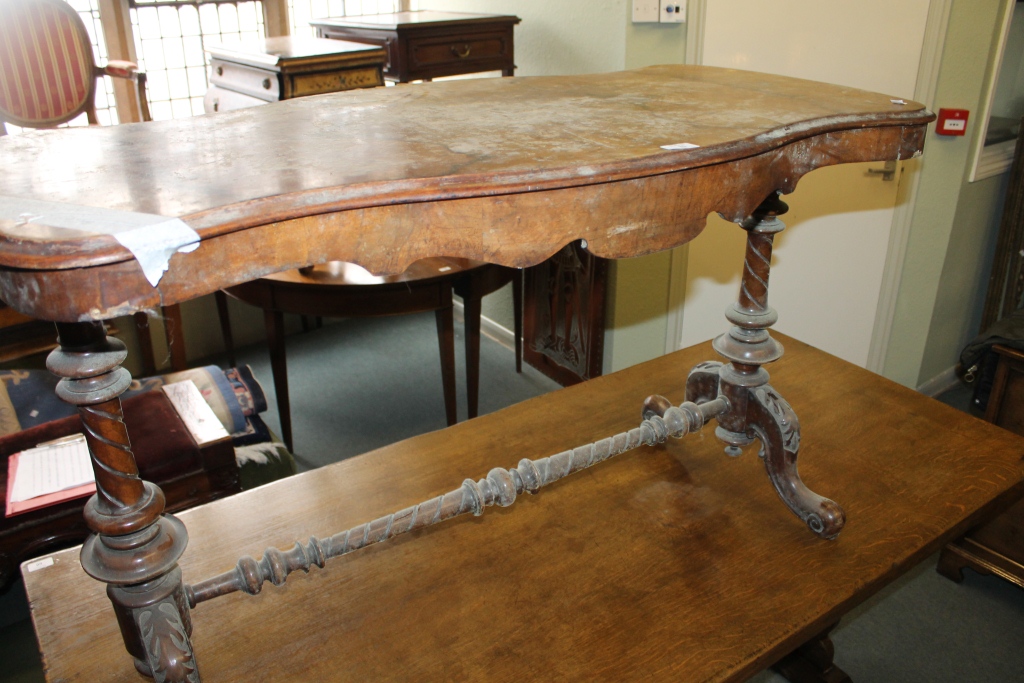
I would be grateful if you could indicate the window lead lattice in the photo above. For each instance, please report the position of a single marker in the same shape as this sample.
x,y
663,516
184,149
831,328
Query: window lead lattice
x,y
171,38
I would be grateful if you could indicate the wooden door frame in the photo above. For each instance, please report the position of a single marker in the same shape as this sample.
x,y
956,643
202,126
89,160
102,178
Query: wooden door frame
x,y
899,236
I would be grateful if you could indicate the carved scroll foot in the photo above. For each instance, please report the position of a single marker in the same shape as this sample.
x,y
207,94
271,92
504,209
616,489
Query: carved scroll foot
x,y
813,662
156,614
776,426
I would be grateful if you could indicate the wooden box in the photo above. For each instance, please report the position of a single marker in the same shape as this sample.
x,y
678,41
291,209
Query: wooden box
x,y
187,473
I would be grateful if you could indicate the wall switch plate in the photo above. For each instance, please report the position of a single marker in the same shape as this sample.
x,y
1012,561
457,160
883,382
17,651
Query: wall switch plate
x,y
646,11
672,11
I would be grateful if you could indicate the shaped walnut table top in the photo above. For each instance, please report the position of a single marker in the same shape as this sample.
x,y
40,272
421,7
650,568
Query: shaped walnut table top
x,y
472,169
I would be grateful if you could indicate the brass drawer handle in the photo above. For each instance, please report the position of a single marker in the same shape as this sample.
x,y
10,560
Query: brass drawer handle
x,y
220,71
266,84
463,53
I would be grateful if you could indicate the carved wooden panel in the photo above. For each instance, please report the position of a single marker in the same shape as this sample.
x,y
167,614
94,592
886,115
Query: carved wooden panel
x,y
563,317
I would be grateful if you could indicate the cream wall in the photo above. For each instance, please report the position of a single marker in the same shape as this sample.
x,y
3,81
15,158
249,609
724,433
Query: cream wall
x,y
557,36
953,229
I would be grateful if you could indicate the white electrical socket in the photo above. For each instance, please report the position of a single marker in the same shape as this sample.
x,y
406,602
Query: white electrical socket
x,y
672,12
646,11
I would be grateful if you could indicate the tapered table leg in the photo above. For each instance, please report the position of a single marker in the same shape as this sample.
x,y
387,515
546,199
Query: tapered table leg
x,y
446,343
173,326
145,338
472,318
274,322
517,315
225,326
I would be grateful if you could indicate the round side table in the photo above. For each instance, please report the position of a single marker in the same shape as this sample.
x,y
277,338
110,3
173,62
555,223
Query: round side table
x,y
342,289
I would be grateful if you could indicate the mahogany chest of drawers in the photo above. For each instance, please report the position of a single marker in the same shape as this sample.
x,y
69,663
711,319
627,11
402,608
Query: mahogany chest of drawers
x,y
424,45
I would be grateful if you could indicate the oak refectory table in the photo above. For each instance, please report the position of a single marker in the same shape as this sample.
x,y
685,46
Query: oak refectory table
x,y
672,563
105,222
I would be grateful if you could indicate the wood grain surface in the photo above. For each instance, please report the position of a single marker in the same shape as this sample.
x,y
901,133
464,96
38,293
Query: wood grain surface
x,y
500,170
674,563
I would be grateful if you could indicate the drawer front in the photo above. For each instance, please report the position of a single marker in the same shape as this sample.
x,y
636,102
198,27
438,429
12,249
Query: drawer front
x,y
334,81
471,52
245,79
219,99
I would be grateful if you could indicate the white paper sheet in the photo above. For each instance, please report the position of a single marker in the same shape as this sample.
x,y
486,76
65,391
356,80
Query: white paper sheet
x,y
51,468
195,412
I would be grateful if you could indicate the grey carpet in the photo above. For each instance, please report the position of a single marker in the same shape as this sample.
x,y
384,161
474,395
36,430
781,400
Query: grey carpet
x,y
360,384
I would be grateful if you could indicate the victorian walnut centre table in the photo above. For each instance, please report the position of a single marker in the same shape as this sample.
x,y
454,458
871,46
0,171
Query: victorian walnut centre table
x,y
506,171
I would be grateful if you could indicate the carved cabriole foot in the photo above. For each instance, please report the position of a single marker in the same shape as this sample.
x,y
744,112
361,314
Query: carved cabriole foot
x,y
775,425
134,549
813,662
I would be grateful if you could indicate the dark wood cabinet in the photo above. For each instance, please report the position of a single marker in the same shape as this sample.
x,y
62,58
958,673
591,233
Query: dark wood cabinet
x,y
424,45
996,547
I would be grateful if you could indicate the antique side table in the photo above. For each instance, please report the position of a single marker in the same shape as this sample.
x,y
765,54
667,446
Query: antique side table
x,y
426,44
105,222
346,290
254,73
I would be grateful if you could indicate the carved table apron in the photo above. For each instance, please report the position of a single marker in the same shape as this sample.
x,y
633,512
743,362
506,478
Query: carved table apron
x,y
500,170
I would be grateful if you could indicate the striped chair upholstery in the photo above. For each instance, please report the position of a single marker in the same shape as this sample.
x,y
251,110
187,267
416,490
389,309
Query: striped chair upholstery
x,y
47,71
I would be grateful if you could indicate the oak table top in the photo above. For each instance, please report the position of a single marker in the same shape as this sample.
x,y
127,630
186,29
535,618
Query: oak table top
x,y
672,563
384,177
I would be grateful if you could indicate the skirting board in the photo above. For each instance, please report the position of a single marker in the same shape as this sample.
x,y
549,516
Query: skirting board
x,y
940,383
488,327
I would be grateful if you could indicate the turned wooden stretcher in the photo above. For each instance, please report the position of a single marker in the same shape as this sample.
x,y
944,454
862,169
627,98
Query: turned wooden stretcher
x,y
503,170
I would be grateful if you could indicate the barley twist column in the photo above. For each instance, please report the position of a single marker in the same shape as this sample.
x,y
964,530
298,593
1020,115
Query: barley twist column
x,y
134,548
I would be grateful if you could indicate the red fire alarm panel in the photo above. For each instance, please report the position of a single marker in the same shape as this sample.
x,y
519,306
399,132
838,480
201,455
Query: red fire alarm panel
x,y
952,122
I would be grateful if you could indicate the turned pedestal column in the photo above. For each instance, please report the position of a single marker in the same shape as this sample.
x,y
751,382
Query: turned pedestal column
x,y
134,548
